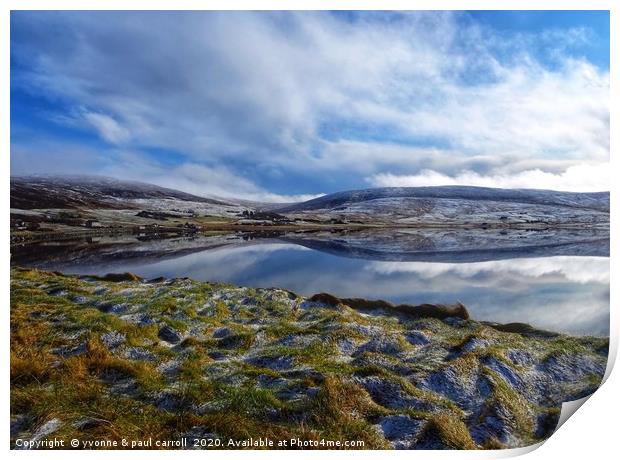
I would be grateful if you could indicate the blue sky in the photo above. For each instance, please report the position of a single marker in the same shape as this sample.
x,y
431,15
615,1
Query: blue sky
x,y
285,106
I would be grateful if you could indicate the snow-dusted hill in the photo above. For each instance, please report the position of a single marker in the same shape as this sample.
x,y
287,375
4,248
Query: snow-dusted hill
x,y
39,192
598,201
402,206
455,204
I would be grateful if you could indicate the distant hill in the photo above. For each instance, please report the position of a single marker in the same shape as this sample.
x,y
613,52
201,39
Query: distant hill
x,y
454,205
401,206
597,201
43,192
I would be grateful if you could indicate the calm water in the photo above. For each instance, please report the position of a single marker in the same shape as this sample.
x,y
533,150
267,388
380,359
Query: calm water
x,y
559,293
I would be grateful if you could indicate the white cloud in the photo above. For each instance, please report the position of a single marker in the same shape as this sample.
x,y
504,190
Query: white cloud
x,y
424,91
579,178
218,182
194,178
107,127
198,179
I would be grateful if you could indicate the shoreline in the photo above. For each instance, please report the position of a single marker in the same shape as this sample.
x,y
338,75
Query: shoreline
x,y
194,356
25,237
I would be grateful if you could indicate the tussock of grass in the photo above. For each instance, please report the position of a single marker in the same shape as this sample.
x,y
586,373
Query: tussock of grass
x,y
240,341
505,396
409,388
450,430
341,409
30,366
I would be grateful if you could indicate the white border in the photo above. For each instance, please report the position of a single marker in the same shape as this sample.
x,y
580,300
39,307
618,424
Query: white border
x,y
591,434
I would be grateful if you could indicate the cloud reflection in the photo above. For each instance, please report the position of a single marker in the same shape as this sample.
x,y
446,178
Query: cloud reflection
x,y
576,269
563,293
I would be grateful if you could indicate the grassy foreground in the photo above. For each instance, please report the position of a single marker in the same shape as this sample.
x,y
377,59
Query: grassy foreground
x,y
112,358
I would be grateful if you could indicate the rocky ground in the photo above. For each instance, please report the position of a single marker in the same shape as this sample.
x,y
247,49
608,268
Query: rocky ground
x,y
113,357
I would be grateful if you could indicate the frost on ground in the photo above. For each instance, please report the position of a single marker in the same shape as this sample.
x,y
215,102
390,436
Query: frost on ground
x,y
178,357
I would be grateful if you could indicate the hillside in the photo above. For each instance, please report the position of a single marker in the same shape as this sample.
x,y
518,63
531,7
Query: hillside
x,y
41,192
455,204
72,200
596,201
52,206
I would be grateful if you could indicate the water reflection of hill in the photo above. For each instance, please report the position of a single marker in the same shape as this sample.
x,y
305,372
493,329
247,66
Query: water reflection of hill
x,y
387,245
457,246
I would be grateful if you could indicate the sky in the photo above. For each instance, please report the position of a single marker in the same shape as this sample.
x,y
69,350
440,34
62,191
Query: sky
x,y
285,106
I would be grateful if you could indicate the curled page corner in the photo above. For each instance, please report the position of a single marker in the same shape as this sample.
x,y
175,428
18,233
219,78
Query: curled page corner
x,y
569,408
